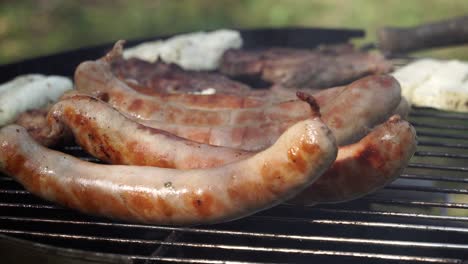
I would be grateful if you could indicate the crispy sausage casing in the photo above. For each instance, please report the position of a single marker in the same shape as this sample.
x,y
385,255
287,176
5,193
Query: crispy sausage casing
x,y
359,169
363,167
349,111
171,196
110,136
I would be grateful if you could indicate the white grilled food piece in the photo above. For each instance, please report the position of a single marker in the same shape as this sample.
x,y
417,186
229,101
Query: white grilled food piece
x,y
30,92
446,89
437,84
193,51
20,81
414,74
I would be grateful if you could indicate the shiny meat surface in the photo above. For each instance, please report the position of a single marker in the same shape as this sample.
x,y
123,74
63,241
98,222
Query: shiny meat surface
x,y
165,78
298,68
171,196
111,137
350,112
363,167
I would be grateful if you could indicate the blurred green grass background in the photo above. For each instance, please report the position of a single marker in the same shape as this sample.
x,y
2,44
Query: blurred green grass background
x,y
38,27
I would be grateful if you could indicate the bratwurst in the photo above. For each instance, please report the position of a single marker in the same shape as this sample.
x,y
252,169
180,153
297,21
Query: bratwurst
x,y
359,169
172,196
111,137
349,111
363,167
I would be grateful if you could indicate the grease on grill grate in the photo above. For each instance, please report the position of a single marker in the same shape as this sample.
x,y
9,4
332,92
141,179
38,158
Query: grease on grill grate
x,y
421,217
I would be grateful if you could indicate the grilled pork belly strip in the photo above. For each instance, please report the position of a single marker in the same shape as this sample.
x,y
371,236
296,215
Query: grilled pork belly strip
x,y
302,68
171,196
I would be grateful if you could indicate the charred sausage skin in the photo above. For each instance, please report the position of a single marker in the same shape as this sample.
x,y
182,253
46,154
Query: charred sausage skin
x,y
171,196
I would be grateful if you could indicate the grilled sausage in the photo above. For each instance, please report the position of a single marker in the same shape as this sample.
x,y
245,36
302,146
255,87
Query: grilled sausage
x,y
368,100
349,110
359,169
110,136
171,196
95,79
363,167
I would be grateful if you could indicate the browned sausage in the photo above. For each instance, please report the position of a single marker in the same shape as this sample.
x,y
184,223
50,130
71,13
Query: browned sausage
x,y
366,166
172,196
110,136
359,169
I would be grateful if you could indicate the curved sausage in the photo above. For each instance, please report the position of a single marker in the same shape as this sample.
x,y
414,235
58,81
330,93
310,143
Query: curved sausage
x,y
171,196
109,136
248,138
359,169
350,112
363,167
96,78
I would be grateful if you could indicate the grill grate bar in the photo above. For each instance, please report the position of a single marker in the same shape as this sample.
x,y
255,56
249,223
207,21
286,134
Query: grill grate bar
x,y
327,253
445,145
15,192
441,135
269,249
422,113
417,203
392,225
381,213
31,206
425,189
433,178
434,125
249,234
5,178
395,214
440,155
437,167
191,260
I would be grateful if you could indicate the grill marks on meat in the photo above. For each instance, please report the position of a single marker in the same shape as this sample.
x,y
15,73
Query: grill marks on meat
x,y
379,157
109,136
363,167
35,122
349,111
162,78
298,68
171,196
96,79
360,101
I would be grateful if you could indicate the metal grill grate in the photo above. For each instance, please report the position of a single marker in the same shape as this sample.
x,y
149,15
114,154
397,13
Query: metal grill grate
x,y
422,217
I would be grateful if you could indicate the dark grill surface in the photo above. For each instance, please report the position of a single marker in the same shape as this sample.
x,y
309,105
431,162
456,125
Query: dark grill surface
x,y
422,217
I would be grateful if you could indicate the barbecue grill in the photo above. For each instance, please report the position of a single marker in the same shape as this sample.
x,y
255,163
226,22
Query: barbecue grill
x,y
421,217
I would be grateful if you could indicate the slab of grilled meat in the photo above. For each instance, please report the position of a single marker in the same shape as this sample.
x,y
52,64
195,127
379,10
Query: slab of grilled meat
x,y
169,78
299,68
